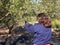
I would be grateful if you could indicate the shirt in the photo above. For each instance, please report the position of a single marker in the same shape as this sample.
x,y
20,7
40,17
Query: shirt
x,y
42,35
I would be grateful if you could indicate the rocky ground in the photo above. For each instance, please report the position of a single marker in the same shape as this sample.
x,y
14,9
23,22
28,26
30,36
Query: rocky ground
x,y
21,37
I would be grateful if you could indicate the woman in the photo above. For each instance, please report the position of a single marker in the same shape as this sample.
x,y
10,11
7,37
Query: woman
x,y
41,30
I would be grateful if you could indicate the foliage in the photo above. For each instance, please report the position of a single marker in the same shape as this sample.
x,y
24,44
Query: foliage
x,y
27,8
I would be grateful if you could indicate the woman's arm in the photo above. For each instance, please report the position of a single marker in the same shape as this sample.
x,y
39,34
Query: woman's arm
x,y
29,27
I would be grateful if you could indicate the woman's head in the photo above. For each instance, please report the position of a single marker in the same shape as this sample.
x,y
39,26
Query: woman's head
x,y
44,19
40,16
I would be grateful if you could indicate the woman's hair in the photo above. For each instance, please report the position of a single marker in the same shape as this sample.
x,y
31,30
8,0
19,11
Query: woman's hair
x,y
41,15
45,20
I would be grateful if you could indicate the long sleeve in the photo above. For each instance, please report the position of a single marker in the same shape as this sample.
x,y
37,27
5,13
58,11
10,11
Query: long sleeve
x,y
42,35
29,27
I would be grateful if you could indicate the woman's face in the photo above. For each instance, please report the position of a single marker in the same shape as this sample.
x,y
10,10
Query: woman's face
x,y
46,21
